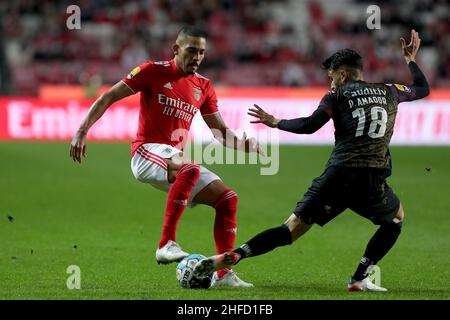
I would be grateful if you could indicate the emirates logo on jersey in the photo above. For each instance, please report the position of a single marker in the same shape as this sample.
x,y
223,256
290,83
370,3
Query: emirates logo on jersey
x,y
197,94
177,108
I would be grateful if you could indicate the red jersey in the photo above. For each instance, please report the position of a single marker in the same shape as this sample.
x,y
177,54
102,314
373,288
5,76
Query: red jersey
x,y
168,102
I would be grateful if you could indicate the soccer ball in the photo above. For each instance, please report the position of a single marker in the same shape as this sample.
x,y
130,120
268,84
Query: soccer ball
x,y
185,273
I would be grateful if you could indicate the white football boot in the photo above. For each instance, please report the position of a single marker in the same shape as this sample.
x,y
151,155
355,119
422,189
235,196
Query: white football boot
x,y
364,285
230,279
171,252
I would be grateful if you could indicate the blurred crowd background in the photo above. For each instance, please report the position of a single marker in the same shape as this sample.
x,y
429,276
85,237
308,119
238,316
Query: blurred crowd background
x,y
251,43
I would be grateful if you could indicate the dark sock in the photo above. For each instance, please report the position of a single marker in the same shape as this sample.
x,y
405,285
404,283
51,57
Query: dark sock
x,y
361,271
378,246
264,242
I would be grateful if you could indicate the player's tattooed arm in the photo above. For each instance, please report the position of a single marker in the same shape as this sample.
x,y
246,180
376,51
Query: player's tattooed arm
x,y
78,145
228,138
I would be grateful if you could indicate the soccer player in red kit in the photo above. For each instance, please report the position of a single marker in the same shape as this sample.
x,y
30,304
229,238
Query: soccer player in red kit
x,y
172,92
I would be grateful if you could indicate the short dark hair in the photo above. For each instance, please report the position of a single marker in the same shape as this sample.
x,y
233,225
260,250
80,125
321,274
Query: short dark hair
x,y
192,31
343,58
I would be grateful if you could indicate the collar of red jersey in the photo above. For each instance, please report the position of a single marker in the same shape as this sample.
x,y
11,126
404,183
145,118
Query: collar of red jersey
x,y
173,65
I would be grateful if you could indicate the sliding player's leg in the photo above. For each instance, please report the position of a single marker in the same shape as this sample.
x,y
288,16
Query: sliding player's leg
x,y
262,243
318,205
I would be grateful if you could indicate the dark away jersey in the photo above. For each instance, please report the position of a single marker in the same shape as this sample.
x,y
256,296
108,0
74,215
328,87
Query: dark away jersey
x,y
364,116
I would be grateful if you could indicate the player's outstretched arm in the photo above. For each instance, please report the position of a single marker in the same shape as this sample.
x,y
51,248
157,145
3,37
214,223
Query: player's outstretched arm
x,y
228,138
263,117
78,145
420,84
304,125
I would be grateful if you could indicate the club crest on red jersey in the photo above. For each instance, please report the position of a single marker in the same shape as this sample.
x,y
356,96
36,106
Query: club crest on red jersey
x,y
197,94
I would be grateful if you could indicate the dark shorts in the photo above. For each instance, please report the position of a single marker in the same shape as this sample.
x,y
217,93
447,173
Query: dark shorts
x,y
363,190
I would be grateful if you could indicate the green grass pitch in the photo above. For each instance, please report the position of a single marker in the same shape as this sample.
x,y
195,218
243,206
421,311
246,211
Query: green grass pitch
x,y
55,213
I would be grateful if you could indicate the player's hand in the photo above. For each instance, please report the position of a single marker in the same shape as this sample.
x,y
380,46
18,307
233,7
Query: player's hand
x,y
410,50
251,145
78,146
263,117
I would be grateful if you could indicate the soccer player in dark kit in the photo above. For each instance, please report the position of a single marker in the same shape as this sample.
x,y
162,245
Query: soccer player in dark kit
x,y
355,176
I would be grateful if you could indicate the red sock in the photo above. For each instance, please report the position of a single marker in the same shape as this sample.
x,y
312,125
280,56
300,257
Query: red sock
x,y
225,223
177,199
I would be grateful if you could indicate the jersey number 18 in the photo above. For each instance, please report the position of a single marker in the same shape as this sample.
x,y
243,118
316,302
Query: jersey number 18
x,y
378,121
